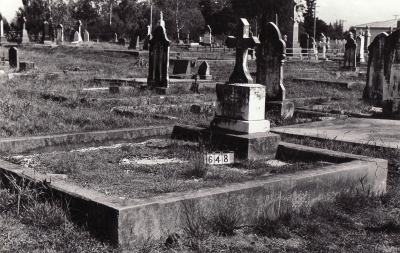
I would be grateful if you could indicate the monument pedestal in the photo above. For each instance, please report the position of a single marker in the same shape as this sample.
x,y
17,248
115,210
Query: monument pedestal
x,y
25,37
284,109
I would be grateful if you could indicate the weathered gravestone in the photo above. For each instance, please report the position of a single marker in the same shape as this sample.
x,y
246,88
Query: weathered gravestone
x,y
46,33
323,44
270,59
134,44
13,57
304,44
204,71
24,36
182,69
3,39
242,43
383,73
350,52
86,36
159,57
60,34
115,38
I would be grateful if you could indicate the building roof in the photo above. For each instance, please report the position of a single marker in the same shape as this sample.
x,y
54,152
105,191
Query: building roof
x,y
379,24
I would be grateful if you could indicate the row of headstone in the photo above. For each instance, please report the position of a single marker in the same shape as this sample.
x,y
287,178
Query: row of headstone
x,y
383,73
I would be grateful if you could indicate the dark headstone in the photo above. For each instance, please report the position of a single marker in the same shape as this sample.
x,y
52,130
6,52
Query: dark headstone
x,y
133,44
182,69
383,73
204,71
122,42
270,58
304,43
46,32
350,52
159,58
146,42
242,43
13,57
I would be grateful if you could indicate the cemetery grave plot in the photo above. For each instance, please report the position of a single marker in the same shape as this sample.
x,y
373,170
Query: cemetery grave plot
x,y
151,168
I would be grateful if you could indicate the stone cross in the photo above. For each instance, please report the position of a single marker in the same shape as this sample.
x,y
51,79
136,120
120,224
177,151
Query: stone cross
x,y
159,58
242,43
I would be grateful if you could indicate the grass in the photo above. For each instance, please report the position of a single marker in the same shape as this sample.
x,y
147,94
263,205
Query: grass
x,y
132,171
26,110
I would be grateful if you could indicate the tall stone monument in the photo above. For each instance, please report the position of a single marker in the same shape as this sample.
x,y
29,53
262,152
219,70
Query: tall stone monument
x,y
242,43
24,36
3,39
299,9
323,44
270,59
367,38
159,58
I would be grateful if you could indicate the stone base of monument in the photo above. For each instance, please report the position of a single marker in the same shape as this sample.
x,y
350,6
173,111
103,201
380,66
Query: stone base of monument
x,y
283,108
205,77
48,42
180,76
25,66
245,146
243,126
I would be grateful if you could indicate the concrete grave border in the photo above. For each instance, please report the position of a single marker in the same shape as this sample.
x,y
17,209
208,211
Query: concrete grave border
x,y
122,221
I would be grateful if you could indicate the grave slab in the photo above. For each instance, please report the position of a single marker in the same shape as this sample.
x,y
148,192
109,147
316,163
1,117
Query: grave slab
x,y
347,85
125,220
383,133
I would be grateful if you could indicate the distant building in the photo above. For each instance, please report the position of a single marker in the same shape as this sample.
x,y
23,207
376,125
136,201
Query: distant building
x,y
377,27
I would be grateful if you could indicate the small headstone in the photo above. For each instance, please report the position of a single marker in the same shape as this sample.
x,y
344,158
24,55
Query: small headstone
x,y
182,69
304,43
159,57
46,33
204,71
13,57
242,43
122,42
115,38
350,52
134,44
60,34
86,36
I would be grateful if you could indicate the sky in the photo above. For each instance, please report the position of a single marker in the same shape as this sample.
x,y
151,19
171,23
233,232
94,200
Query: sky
x,y
354,12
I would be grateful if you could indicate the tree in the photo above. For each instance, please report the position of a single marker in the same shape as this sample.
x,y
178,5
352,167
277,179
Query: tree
x,y
181,14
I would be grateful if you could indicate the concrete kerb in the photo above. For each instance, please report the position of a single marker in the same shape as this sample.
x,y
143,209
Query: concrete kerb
x,y
124,220
36,144
347,85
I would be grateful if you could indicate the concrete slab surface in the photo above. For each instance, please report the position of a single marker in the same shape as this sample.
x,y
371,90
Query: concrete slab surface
x,y
384,133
